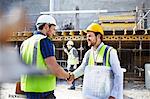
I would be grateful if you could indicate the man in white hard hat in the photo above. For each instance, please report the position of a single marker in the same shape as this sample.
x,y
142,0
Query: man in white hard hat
x,y
39,50
73,59
103,76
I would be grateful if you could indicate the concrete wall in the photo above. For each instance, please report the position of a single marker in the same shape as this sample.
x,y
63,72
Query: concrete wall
x,y
85,19
34,7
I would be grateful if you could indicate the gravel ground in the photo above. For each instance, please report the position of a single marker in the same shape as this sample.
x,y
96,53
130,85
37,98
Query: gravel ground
x,y
131,91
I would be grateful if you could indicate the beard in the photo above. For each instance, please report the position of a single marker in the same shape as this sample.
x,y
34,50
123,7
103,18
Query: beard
x,y
51,35
90,43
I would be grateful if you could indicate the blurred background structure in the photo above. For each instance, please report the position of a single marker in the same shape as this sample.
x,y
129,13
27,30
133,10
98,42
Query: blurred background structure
x,y
34,7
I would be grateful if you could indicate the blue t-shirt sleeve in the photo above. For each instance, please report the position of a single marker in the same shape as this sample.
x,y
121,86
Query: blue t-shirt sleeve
x,y
47,48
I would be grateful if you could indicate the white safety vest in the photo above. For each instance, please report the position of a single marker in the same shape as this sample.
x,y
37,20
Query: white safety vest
x,y
72,60
98,77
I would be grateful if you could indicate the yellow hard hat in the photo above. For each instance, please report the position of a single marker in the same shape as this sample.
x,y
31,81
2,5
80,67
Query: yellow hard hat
x,y
95,27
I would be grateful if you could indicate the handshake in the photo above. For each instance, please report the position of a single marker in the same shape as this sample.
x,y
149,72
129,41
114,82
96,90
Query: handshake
x,y
71,78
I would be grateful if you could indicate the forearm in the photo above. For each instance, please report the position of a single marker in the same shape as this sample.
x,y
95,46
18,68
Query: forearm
x,y
79,71
61,73
55,68
66,51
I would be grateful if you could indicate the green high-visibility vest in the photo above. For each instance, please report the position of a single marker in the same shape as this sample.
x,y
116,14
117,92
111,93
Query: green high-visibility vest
x,y
31,54
102,58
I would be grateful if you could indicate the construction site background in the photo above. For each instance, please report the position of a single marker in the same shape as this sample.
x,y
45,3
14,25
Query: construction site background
x,y
126,26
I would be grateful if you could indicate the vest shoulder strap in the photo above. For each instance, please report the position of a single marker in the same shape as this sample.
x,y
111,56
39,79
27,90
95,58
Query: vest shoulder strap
x,y
106,56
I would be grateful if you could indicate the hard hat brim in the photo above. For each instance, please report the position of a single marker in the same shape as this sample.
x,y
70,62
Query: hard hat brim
x,y
85,31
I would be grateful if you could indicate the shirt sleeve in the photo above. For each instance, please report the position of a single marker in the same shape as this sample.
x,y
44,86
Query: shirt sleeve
x,y
117,90
80,70
47,48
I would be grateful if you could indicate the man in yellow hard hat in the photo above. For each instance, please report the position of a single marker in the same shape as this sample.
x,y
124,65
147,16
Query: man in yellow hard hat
x,y
103,77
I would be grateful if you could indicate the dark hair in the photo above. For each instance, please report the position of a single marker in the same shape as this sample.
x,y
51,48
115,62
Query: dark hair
x,y
96,33
41,26
51,25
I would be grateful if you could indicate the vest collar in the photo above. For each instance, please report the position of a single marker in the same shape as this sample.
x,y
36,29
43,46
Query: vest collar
x,y
98,48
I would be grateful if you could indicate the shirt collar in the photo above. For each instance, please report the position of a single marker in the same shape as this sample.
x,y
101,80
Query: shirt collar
x,y
38,32
98,48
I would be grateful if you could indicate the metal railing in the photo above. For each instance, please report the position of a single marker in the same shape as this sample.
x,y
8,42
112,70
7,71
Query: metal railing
x,y
139,22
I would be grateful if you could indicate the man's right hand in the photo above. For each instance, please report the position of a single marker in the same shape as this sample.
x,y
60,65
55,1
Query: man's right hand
x,y
65,50
71,78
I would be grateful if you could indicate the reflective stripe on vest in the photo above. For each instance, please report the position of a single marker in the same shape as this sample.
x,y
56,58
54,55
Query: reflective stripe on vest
x,y
35,83
102,58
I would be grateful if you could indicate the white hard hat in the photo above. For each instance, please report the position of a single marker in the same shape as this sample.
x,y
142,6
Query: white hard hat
x,y
45,19
70,43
